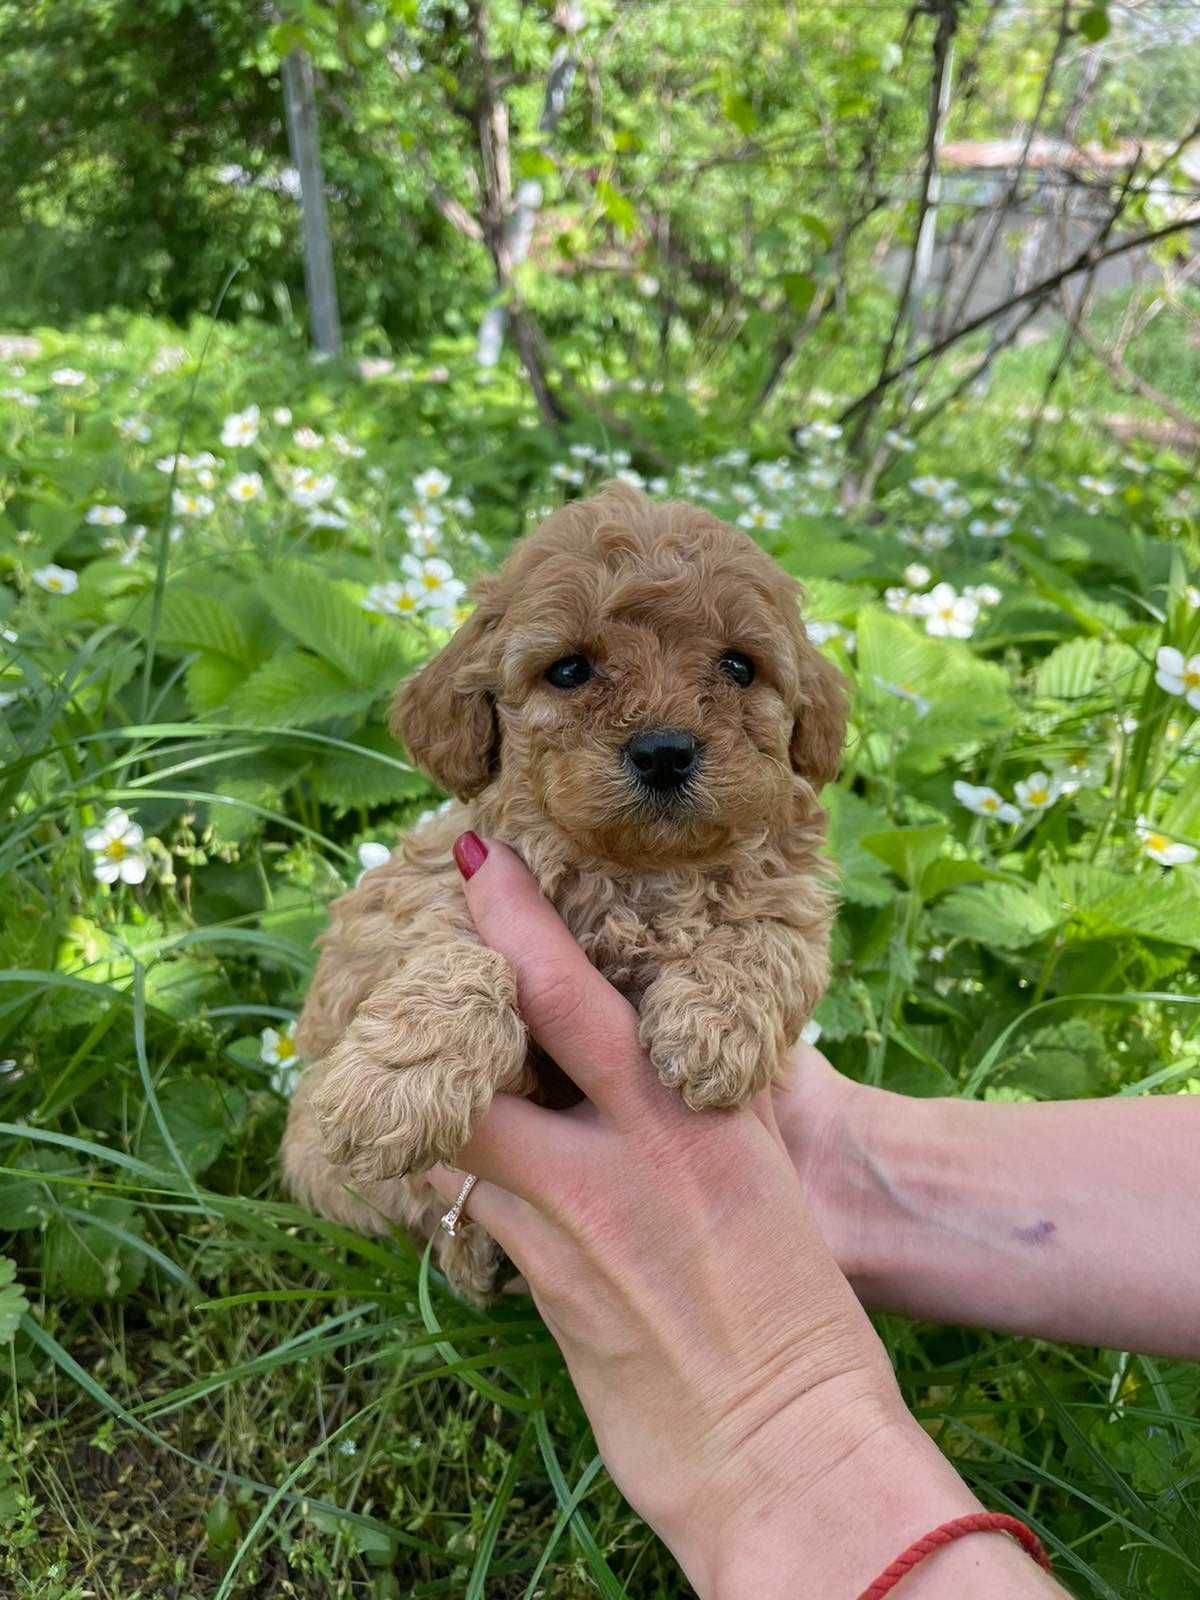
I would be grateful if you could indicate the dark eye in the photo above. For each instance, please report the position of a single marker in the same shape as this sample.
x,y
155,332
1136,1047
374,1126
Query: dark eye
x,y
738,667
569,673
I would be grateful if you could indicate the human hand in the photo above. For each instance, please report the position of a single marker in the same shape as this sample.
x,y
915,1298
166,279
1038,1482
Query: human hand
x,y
739,1397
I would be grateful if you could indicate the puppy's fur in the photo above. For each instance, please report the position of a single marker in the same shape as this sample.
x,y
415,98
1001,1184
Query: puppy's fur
x,y
709,910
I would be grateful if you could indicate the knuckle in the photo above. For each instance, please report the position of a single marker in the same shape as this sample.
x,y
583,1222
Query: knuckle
x,y
550,995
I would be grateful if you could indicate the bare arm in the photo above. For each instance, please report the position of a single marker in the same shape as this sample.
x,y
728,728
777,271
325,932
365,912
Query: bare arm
x,y
1073,1220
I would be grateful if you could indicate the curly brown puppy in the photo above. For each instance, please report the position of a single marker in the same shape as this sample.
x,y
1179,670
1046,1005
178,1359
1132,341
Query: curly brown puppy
x,y
634,706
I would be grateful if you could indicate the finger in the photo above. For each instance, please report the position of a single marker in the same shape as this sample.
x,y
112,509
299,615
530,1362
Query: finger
x,y
572,1011
515,1225
524,1148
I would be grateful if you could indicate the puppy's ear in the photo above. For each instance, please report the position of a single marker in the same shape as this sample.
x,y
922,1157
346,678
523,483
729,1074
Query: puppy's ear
x,y
445,715
819,730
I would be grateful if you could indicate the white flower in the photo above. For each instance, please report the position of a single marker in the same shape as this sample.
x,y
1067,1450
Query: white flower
x,y
948,614
310,488
245,486
1006,507
1192,596
394,599
55,579
1178,676
582,452
346,447
629,476
1037,791
441,588
931,488
904,602
185,504
897,441
1134,464
818,433
956,506
371,855
902,692
821,477
986,594
241,428
105,516
136,428
811,1031
732,458
775,476
20,398
1083,769
984,802
820,633
565,473
67,377
375,367
422,516
646,285
116,847
758,517
308,438
9,697
1167,852
916,575
282,416
431,485
1099,486
278,1049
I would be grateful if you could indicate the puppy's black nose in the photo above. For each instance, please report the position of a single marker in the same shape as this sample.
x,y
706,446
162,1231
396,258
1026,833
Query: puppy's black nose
x,y
663,758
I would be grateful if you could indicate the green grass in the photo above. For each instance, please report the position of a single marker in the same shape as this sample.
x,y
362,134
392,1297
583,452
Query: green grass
x,y
210,1393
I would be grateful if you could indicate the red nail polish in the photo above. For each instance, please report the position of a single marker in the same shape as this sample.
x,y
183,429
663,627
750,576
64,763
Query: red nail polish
x,y
469,853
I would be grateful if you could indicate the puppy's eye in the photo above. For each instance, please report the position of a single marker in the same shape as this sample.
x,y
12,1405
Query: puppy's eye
x,y
569,673
738,667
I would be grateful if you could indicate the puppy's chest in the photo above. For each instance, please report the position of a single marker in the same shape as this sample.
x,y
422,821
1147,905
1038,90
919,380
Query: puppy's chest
x,y
631,935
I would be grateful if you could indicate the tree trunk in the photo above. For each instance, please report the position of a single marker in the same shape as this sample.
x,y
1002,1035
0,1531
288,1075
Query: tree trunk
x,y
300,106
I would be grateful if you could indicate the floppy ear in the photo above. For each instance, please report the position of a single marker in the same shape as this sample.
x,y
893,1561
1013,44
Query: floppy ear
x,y
445,715
819,730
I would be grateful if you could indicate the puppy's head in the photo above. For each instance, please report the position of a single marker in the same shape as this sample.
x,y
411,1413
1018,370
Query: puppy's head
x,y
637,677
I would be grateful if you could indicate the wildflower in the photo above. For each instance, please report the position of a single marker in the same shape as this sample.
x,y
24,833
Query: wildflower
x,y
1006,507
985,802
819,433
981,528
647,286
810,1033
116,847
897,441
245,486
1037,791
435,577
136,428
956,506
241,428
1167,852
916,575
282,416
371,855
986,594
56,580
20,398
394,599
186,504
1100,486
902,692
1178,676
758,517
167,359
1192,595
821,477
67,377
658,485
278,1049
774,476
566,473
732,458
931,488
375,367
308,438
310,488
431,485
105,516
347,1447
743,494
346,447
1082,769
904,602
948,614
629,476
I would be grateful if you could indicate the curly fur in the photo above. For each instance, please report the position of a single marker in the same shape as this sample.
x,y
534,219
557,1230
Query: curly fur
x,y
711,913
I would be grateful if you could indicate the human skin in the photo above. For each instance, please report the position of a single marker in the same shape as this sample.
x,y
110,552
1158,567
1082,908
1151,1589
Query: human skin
x,y
739,1396
1077,1221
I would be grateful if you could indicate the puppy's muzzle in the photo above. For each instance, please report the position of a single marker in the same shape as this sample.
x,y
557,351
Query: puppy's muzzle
x,y
662,759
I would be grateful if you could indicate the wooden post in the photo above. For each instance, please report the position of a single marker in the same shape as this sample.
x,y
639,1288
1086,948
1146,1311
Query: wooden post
x,y
300,107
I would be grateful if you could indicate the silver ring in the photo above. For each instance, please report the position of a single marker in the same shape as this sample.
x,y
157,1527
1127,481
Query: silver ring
x,y
451,1220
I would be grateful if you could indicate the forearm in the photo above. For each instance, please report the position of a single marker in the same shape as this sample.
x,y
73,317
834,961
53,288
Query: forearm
x,y
845,1512
1077,1221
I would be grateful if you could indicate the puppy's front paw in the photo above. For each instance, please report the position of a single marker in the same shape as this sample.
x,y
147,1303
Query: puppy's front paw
x,y
418,1066
708,1041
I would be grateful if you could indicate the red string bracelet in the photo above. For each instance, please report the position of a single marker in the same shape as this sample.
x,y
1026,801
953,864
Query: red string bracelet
x,y
979,1522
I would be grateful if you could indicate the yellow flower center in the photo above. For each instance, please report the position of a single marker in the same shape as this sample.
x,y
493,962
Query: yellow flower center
x,y
1191,678
1039,796
430,581
285,1049
54,583
990,803
406,603
116,850
1157,841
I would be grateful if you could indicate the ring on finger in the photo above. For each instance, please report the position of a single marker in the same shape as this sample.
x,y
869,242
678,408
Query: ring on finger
x,y
451,1221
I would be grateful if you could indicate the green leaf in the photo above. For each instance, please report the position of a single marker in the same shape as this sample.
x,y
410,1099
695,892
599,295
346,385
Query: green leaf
x,y
800,289
1151,904
1094,24
862,877
296,689
1070,671
375,777
908,851
201,1115
13,1304
197,619
1006,915
1063,1061
210,683
737,109
616,207
324,617
89,1263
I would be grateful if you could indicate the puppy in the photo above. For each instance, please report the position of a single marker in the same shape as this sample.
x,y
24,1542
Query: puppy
x,y
634,707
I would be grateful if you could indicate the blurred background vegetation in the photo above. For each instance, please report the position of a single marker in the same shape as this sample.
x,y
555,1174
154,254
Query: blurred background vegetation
x,y
302,304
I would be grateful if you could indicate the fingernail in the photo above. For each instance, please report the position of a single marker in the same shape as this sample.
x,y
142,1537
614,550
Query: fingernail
x,y
469,853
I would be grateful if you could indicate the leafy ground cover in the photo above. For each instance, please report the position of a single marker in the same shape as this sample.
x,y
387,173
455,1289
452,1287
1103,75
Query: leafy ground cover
x,y
218,558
